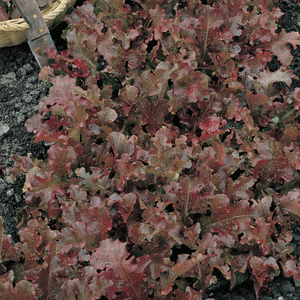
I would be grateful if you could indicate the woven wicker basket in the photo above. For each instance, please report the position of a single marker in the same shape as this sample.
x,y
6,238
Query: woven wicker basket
x,y
14,32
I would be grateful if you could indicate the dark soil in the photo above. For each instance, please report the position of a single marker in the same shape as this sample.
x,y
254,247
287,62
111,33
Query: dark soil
x,y
20,94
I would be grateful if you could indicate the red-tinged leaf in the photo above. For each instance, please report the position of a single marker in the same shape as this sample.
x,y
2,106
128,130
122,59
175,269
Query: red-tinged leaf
x,y
128,274
264,207
60,93
47,276
7,251
258,104
22,290
290,203
211,124
102,154
218,261
62,159
240,264
6,286
295,98
126,170
261,234
22,164
274,169
293,155
234,110
151,216
30,235
264,271
78,195
124,205
190,294
98,223
284,249
71,213
279,45
126,97
136,56
205,136
186,119
209,105
3,14
36,237
47,236
44,131
92,94
210,21
290,134
261,28
224,64
218,147
77,112
225,217
126,37
120,144
29,268
110,52
154,84
191,235
256,62
93,182
291,269
240,188
88,286
155,117
82,44
190,193
157,243
167,280
84,12
268,148
263,82
189,87
107,115
73,237
42,189
158,22
74,67
165,160
231,8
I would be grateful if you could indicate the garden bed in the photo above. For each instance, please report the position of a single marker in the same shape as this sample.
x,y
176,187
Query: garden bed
x,y
21,93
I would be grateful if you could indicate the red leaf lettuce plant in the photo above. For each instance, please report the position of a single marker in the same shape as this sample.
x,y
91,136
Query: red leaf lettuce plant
x,y
167,131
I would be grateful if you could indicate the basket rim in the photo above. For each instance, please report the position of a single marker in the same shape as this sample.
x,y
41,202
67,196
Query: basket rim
x,y
48,13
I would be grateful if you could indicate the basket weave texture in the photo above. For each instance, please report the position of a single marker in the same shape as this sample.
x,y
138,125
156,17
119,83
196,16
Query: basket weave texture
x,y
14,32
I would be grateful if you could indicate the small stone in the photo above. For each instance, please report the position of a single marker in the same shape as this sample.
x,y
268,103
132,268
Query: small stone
x,y
21,72
32,79
4,128
11,75
20,118
18,198
10,192
18,105
28,68
28,99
